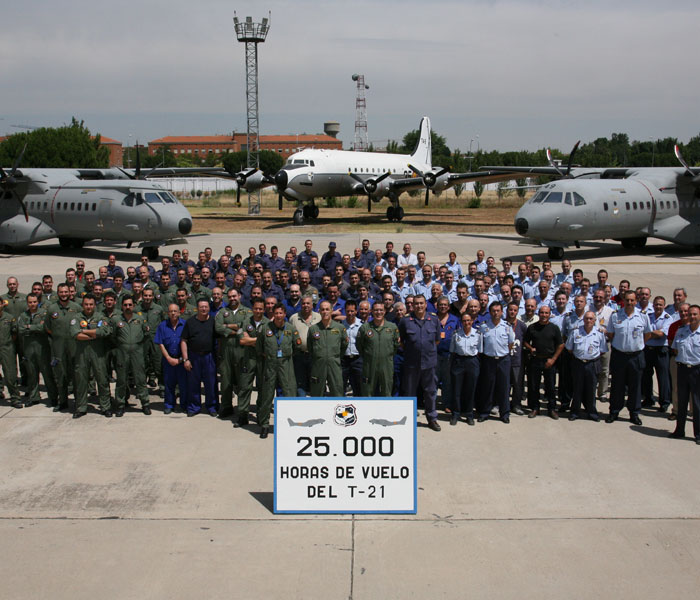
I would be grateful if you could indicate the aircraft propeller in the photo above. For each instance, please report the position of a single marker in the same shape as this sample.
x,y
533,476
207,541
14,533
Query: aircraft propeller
x,y
429,179
679,156
370,185
566,175
8,183
241,177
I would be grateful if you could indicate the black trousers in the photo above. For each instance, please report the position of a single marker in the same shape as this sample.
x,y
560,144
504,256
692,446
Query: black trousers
x,y
535,373
585,382
352,372
688,379
626,372
494,385
657,359
465,377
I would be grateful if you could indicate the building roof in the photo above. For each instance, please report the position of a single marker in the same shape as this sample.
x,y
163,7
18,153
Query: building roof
x,y
107,140
193,139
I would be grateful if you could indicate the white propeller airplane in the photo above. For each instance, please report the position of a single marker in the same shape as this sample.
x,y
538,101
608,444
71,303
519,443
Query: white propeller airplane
x,y
627,204
311,174
78,205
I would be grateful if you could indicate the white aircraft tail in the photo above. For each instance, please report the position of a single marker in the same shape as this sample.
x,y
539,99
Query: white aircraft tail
x,y
423,152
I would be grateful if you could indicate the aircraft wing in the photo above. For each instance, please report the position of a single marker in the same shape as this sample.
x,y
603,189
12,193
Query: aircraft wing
x,y
182,171
489,175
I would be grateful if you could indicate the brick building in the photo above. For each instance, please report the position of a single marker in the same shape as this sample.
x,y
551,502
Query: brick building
x,y
202,145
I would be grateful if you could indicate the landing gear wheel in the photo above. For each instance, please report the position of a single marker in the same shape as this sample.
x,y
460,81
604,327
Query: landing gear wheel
x,y
313,211
306,211
390,213
398,213
299,216
150,252
555,252
77,244
634,243
64,242
641,242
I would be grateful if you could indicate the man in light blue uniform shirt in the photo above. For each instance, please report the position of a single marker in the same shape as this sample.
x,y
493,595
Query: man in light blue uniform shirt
x,y
586,343
628,330
494,378
656,357
687,346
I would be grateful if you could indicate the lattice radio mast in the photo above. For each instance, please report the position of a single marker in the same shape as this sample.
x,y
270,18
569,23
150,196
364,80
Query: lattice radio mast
x,y
252,34
361,139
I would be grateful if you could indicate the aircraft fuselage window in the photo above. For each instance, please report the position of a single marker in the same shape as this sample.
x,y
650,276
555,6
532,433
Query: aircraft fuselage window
x,y
578,200
675,204
605,206
128,200
45,205
648,205
554,198
94,207
634,205
627,205
567,198
72,205
153,198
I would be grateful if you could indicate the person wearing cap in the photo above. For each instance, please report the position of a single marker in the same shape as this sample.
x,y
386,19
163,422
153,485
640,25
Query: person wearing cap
x,y
586,343
686,345
330,259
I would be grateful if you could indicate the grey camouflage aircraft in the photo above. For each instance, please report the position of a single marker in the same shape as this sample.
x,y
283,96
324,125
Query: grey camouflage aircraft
x,y
626,204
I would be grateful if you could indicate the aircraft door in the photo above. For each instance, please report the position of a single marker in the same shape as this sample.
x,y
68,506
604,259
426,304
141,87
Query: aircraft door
x,y
105,219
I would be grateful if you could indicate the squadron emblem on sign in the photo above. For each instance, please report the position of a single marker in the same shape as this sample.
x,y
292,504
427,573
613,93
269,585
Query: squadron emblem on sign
x,y
345,415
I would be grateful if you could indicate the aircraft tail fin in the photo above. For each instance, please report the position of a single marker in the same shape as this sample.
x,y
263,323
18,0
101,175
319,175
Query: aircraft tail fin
x,y
402,421
423,152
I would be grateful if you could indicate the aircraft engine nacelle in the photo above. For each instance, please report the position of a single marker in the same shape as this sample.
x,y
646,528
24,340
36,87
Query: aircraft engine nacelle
x,y
441,184
16,231
381,189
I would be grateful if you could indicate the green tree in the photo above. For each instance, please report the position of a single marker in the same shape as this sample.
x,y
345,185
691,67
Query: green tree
x,y
270,162
440,152
478,189
69,147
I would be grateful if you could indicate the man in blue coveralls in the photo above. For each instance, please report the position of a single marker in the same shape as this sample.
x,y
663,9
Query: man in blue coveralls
x,y
420,335
167,338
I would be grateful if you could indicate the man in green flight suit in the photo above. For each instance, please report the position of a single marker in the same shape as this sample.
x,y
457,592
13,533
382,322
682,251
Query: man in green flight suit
x,y
153,314
377,342
327,341
90,330
228,326
58,319
249,365
131,333
8,334
276,343
36,351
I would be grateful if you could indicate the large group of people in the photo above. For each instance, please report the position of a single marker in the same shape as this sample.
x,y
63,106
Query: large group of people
x,y
490,340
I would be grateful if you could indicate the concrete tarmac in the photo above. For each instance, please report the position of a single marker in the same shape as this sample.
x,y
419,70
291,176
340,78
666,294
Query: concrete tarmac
x,y
171,507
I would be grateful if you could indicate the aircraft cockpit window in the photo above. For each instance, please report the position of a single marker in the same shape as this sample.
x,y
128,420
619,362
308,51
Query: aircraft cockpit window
x,y
578,200
311,162
567,198
153,198
167,197
298,162
128,200
138,199
554,198
605,206
538,197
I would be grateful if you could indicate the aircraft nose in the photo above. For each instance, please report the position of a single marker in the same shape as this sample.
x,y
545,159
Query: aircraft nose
x,y
521,226
185,226
281,179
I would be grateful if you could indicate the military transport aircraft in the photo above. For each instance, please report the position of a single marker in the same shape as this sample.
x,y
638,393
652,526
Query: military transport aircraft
x,y
78,205
311,174
627,204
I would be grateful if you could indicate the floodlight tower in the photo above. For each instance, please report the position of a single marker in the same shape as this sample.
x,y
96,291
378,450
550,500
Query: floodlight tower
x,y
361,141
252,34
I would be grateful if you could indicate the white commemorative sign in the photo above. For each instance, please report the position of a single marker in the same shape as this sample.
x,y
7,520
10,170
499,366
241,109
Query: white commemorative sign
x,y
345,455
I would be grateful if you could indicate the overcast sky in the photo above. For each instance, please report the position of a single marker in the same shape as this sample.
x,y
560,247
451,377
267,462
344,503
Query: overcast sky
x,y
519,74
